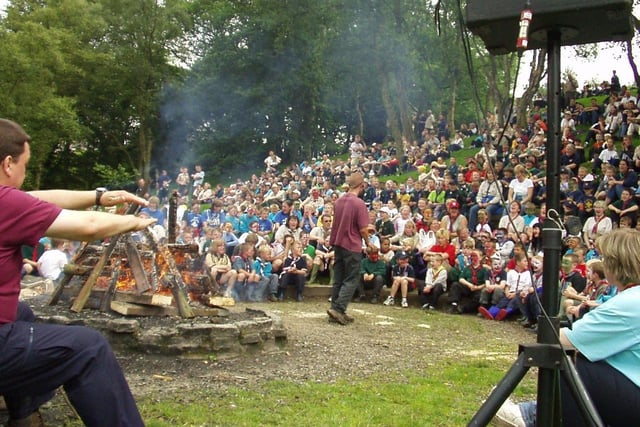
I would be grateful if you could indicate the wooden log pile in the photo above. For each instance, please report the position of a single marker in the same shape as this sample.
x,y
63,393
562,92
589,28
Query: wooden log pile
x,y
135,275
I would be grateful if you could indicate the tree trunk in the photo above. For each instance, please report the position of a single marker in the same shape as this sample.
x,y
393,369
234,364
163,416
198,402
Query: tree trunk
x,y
632,62
452,107
538,70
360,117
393,124
146,146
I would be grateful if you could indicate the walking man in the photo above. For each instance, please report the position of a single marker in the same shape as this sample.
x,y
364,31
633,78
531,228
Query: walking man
x,y
349,228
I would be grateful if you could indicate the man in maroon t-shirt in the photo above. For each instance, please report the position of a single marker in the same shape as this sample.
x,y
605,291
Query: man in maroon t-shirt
x,y
35,358
350,221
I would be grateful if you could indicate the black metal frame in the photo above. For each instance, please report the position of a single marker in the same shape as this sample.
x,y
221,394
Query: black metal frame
x,y
547,354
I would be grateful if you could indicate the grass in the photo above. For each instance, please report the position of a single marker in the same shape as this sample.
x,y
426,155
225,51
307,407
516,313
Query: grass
x,y
459,360
444,395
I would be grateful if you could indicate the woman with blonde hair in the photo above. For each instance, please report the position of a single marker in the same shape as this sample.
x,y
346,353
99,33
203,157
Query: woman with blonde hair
x,y
521,187
607,343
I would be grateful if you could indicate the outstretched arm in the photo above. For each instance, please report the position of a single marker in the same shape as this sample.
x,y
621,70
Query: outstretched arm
x,y
69,199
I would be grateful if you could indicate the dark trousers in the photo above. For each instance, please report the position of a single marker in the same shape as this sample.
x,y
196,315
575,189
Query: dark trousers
x,y
530,307
615,397
433,296
36,359
296,280
376,284
346,272
464,297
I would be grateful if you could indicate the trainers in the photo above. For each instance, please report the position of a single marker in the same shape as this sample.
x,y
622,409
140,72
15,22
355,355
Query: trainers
x,y
509,415
374,300
348,318
273,298
485,313
389,301
432,307
299,298
337,316
405,303
425,307
501,314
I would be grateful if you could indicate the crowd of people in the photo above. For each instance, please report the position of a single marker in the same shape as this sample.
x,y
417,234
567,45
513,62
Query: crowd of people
x,y
466,229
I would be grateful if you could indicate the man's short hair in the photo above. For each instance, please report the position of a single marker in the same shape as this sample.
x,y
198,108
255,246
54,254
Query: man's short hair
x,y
12,139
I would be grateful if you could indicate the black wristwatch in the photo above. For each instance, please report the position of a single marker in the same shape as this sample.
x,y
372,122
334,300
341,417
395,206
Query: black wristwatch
x,y
99,192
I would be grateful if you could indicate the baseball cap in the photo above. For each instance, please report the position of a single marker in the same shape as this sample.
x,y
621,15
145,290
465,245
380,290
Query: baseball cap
x,y
385,209
454,205
403,255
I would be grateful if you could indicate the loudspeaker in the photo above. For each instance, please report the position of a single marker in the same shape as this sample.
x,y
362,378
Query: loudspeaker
x,y
496,22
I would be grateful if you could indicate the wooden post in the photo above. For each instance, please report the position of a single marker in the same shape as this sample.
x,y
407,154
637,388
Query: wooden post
x,y
57,292
105,304
173,220
142,284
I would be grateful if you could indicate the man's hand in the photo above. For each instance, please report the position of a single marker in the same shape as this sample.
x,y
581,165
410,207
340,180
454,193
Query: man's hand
x,y
112,198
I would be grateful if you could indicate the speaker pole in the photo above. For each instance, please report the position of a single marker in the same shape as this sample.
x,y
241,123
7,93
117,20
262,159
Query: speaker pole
x,y
548,385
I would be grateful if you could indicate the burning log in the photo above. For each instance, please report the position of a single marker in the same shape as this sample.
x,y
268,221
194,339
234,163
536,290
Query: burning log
x,y
173,277
175,283
84,293
108,296
77,270
142,284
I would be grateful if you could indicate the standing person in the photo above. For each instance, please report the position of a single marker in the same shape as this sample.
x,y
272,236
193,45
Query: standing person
x,y
76,357
350,221
198,176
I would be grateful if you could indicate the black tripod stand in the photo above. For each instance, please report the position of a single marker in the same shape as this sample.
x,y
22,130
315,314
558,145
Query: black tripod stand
x,y
547,354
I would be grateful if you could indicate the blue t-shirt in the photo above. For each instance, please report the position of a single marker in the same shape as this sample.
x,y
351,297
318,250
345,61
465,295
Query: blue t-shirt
x,y
611,332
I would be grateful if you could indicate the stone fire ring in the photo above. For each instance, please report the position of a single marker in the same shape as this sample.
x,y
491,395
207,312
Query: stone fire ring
x,y
236,333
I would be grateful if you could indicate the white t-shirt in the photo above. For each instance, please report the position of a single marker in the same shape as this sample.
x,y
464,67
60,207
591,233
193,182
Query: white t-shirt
x,y
51,263
520,189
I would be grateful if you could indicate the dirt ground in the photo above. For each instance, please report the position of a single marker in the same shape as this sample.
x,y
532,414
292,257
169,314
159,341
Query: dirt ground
x,y
317,350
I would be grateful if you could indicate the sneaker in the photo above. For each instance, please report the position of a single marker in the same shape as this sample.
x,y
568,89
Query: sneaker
x,y
299,298
509,415
501,314
362,298
405,303
389,301
432,307
485,313
337,316
425,307
273,298
348,318
374,300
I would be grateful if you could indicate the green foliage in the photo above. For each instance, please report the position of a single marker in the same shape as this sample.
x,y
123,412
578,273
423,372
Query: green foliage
x,y
219,82
114,177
